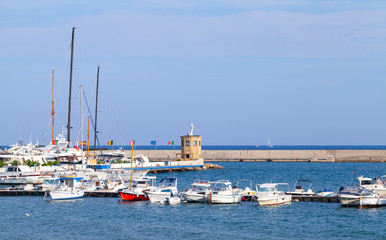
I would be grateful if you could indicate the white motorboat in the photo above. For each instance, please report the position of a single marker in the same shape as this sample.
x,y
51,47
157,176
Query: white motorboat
x,y
299,189
247,192
223,192
167,187
272,194
375,185
326,193
357,196
67,189
352,195
198,192
171,201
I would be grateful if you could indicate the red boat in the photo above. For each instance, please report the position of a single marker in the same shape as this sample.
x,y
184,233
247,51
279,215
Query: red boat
x,y
131,195
138,188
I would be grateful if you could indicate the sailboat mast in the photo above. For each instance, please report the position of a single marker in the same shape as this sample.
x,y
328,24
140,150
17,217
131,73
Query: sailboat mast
x,y
53,107
81,121
96,110
132,160
69,96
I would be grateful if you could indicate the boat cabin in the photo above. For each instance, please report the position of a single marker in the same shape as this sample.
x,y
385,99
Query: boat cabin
x,y
70,182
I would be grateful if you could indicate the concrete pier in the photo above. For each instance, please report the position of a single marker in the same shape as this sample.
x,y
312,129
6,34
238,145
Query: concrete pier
x,y
276,155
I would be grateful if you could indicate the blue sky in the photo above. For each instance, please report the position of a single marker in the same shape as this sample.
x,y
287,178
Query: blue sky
x,y
295,72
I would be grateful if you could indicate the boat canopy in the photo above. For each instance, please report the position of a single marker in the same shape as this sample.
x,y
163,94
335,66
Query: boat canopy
x,y
168,182
66,178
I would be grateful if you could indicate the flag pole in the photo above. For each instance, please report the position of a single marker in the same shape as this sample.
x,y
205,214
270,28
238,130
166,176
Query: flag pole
x,y
132,159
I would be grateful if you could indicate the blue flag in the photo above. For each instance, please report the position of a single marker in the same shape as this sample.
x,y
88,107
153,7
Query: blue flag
x,y
153,142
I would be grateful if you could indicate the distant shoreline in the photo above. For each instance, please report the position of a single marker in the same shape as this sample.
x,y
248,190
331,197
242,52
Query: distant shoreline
x,y
246,147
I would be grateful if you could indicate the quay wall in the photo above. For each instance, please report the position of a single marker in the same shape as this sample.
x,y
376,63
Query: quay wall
x,y
276,155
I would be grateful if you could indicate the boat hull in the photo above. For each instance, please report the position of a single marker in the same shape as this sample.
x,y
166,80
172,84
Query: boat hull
x,y
133,197
361,202
191,197
156,197
273,200
225,199
65,195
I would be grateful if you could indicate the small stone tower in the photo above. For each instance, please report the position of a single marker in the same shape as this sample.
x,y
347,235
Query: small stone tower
x,y
190,146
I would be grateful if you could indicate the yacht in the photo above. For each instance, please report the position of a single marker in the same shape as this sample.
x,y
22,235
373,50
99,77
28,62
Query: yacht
x,y
67,189
223,192
272,194
167,187
198,192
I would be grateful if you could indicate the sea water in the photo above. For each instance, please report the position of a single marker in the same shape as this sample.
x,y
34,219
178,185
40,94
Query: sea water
x,y
108,218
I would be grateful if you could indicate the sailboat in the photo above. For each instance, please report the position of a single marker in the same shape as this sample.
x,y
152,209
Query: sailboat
x,y
269,144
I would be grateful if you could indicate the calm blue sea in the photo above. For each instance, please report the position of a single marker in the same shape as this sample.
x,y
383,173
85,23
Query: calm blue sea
x,y
107,218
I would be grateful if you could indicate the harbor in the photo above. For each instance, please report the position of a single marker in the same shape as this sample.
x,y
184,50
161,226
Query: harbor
x,y
162,120
200,217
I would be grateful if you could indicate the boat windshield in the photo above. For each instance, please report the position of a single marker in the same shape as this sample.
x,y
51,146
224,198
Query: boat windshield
x,y
266,189
221,187
366,182
50,181
198,188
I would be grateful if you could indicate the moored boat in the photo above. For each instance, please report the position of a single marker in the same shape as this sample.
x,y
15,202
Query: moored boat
x,y
247,192
167,187
198,192
223,192
326,193
67,189
171,201
357,196
137,192
375,185
300,190
272,194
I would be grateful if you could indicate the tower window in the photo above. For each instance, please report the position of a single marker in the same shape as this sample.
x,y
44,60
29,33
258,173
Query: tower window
x,y
187,143
194,143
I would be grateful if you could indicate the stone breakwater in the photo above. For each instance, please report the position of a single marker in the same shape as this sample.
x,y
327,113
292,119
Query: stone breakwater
x,y
276,155
206,166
